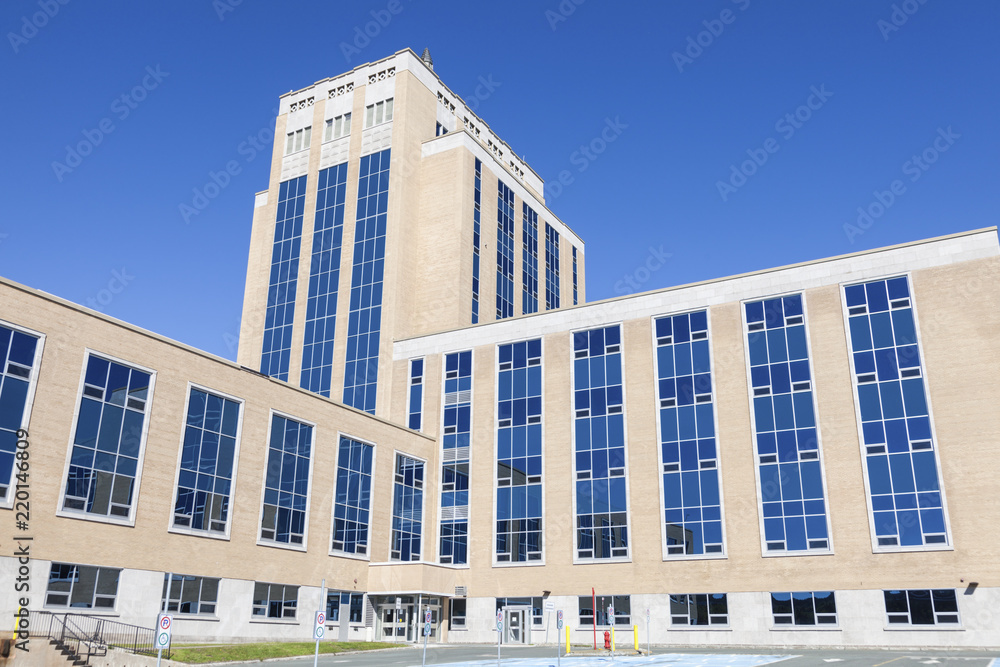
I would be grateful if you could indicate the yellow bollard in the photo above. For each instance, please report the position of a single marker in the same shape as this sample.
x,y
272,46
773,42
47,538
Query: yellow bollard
x,y
635,637
567,640
612,639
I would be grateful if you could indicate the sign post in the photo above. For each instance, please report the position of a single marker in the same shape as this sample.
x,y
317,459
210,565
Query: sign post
x,y
164,627
559,627
319,623
499,632
427,633
648,652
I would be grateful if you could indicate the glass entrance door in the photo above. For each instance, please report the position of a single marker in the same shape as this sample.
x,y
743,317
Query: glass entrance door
x,y
515,626
393,622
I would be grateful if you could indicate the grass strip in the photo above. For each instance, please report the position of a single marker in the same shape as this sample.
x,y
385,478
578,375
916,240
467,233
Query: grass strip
x,y
197,655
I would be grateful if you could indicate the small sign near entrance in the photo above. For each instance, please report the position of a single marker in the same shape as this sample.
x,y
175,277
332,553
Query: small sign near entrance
x,y
399,604
164,627
427,616
319,629
427,629
550,605
647,614
559,620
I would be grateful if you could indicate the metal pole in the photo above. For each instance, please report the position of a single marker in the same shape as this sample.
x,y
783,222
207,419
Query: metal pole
x,y
322,601
648,652
593,603
159,654
423,661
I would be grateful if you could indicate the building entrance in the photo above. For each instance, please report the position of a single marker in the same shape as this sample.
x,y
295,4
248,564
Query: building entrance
x,y
401,618
517,627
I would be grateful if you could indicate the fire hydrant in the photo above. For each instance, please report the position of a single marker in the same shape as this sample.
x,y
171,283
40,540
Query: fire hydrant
x,y
607,639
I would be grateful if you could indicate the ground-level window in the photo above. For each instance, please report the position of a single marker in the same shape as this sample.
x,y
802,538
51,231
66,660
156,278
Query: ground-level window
x,y
275,600
336,598
622,608
186,594
457,614
804,608
82,586
921,607
699,609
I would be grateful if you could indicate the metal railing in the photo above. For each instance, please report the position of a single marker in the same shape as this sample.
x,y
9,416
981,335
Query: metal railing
x,y
89,636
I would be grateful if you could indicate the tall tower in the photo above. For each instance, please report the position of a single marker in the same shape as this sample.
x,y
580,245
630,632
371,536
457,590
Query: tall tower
x,y
392,211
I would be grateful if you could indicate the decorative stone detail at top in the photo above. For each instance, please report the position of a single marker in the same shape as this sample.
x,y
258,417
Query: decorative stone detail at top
x,y
302,104
382,76
337,91
445,103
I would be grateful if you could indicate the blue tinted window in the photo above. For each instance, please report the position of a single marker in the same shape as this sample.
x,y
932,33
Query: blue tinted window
x,y
786,438
207,462
365,320
519,452
529,263
576,289
476,230
17,366
416,388
286,486
505,251
599,427
407,508
283,279
689,457
552,267
456,446
108,440
324,277
353,497
903,480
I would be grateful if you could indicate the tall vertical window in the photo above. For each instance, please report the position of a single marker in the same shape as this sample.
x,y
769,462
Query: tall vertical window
x,y
19,353
353,497
476,229
286,486
205,479
284,277
904,486
529,263
599,432
519,452
551,267
415,401
456,447
787,442
364,323
505,251
576,283
324,277
692,504
407,508
107,444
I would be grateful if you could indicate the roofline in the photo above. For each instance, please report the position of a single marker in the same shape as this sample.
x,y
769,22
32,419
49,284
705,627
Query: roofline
x,y
700,283
83,310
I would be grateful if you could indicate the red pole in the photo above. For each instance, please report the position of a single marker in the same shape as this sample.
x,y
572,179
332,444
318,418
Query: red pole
x,y
593,603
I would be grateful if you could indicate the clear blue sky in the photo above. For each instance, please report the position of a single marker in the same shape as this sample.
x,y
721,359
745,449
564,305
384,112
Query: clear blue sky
x,y
686,115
